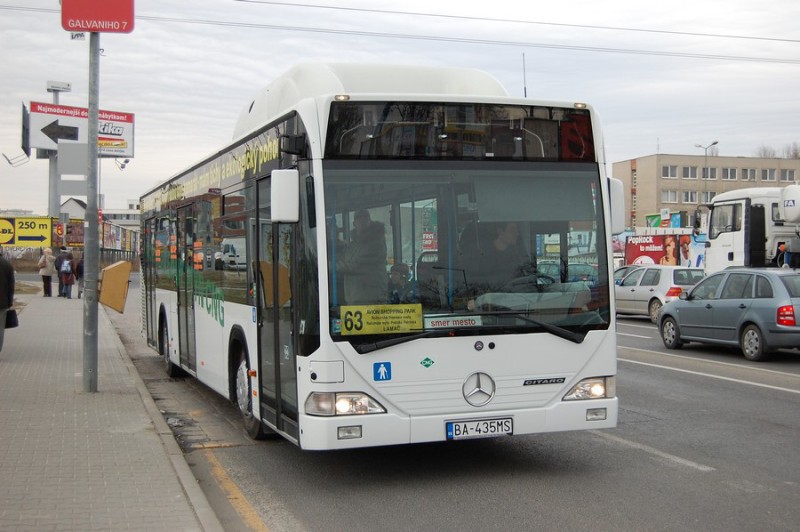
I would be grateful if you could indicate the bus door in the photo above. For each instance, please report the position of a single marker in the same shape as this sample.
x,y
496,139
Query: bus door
x,y
277,346
152,257
185,245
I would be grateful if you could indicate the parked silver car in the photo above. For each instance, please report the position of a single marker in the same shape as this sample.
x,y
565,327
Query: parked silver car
x,y
645,290
756,309
622,271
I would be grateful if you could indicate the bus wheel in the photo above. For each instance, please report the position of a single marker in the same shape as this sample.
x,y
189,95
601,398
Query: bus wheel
x,y
670,334
754,347
244,399
163,349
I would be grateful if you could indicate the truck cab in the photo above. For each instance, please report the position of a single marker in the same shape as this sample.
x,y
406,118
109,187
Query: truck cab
x,y
752,227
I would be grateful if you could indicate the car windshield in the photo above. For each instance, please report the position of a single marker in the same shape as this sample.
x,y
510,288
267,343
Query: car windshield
x,y
455,248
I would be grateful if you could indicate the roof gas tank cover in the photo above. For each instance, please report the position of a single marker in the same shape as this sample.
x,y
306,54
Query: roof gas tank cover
x,y
790,201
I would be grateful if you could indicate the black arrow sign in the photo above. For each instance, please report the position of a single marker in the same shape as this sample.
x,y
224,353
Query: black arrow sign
x,y
40,238
55,132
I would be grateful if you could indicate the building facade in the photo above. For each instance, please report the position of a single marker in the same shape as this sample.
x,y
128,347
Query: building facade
x,y
128,218
683,183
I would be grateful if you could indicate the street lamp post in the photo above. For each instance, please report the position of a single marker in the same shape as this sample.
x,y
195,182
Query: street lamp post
x,y
704,175
705,157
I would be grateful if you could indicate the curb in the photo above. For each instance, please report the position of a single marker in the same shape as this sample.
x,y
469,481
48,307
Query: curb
x,y
197,499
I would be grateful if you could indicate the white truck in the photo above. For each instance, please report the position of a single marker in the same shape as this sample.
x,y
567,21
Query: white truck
x,y
234,254
754,227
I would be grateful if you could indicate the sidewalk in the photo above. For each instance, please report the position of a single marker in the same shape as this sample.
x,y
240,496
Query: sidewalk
x,y
71,460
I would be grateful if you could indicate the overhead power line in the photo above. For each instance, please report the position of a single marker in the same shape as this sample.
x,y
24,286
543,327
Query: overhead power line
x,y
439,38
517,21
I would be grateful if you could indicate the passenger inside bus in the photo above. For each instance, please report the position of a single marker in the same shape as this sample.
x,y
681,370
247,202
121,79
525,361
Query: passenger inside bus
x,y
494,256
362,261
400,287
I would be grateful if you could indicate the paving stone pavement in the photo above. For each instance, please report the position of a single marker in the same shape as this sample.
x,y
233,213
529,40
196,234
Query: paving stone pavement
x,y
73,460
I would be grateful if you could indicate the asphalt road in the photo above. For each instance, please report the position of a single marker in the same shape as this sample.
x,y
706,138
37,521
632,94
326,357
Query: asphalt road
x,y
706,441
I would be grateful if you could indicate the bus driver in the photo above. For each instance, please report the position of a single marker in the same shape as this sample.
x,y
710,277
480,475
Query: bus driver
x,y
363,262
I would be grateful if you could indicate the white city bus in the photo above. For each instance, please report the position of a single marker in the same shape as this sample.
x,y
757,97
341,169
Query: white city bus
x,y
466,187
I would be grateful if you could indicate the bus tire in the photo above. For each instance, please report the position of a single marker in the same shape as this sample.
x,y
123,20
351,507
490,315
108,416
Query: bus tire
x,y
754,347
244,400
171,369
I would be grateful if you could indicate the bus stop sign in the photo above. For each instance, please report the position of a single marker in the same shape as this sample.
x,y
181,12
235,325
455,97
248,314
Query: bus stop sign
x,y
97,16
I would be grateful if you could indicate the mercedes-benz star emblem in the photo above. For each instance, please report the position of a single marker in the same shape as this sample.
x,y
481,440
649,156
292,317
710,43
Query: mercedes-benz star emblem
x,y
478,389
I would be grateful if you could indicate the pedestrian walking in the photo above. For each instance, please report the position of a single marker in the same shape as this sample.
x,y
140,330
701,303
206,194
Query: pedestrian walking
x,y
79,276
6,293
62,256
67,270
47,269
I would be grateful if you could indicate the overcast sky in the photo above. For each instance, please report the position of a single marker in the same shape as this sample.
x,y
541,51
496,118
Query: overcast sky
x,y
663,76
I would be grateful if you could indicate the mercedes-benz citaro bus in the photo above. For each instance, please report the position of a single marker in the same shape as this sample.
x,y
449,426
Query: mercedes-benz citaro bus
x,y
337,174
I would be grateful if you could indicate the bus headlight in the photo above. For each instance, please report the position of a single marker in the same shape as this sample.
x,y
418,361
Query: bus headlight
x,y
342,404
593,388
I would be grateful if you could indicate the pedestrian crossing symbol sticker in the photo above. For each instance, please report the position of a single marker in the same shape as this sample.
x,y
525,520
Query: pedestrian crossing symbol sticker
x,y
382,371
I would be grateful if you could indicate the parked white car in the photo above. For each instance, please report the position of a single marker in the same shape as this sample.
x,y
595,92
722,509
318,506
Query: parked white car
x,y
645,290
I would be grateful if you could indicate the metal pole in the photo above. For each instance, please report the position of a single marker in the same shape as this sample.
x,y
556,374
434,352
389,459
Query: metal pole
x,y
54,199
91,250
524,77
704,175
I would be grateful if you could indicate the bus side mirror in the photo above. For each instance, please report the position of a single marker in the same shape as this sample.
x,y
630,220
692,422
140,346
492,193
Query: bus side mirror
x,y
285,195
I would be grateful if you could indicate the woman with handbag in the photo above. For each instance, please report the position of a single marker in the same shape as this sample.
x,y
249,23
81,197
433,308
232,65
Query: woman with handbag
x,y
47,269
6,293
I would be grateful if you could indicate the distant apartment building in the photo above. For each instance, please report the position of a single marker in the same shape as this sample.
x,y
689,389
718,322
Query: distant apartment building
x,y
128,218
682,183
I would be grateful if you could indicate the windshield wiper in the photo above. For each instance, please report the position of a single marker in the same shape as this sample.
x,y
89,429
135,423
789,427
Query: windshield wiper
x,y
380,344
561,332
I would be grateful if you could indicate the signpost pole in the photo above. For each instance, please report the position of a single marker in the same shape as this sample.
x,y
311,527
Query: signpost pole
x,y
54,202
91,16
91,248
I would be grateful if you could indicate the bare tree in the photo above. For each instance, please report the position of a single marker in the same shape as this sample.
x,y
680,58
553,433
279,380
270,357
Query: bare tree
x,y
792,151
766,152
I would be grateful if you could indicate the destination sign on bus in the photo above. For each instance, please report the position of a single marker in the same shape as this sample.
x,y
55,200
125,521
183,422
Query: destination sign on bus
x,y
380,319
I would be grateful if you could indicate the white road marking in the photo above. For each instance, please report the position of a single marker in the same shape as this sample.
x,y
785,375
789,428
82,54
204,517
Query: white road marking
x,y
711,376
633,335
730,364
661,454
651,326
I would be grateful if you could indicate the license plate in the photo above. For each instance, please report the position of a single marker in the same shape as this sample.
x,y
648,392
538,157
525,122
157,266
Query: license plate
x,y
479,428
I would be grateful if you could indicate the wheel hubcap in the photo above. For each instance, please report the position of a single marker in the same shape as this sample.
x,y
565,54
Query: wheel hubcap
x,y
654,308
751,343
243,389
669,332
165,346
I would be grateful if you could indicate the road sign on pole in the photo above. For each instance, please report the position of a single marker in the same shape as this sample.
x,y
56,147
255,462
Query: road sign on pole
x,y
51,126
99,17
95,17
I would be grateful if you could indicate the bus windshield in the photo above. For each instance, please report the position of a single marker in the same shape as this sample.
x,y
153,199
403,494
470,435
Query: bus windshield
x,y
458,247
